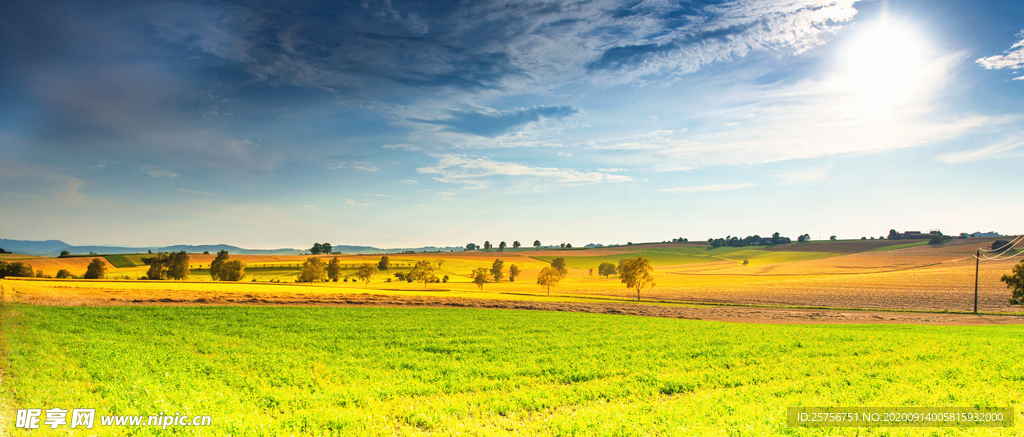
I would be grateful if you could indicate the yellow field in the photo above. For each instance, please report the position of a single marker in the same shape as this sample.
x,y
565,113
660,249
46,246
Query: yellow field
x,y
922,277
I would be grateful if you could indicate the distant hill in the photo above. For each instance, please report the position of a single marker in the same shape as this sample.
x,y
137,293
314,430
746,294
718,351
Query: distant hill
x,y
54,248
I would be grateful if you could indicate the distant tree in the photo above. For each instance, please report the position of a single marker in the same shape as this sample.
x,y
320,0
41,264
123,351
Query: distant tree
x,y
64,254
3,251
637,274
776,239
803,238
232,270
559,264
893,235
487,245
536,243
157,267
96,269
516,245
206,252
177,266
215,266
422,271
606,269
496,270
334,269
832,238
480,277
470,246
312,270
501,246
568,245
863,238
513,271
63,274
384,263
1015,282
15,269
366,272
549,277
746,262
964,235
591,272
562,245
316,249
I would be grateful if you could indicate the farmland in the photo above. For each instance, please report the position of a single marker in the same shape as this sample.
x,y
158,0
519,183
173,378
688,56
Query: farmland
x,y
385,371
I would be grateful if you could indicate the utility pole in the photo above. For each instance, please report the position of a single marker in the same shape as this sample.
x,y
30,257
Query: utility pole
x,y
977,266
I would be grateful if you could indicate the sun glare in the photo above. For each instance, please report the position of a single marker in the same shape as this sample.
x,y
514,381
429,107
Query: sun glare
x,y
885,64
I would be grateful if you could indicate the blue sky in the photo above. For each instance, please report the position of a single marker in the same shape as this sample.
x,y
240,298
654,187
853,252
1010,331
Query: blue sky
x,y
400,124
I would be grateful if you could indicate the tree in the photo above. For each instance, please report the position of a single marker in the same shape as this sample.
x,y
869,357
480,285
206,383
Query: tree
x,y
326,248
1015,282
96,269
422,271
217,263
470,246
803,238
177,266
516,245
559,264
487,245
232,270
606,269
536,243
312,270
568,245
776,239
157,267
549,277
334,269
480,277
496,270
384,263
501,246
63,274
513,271
15,269
562,245
893,235
832,238
64,254
316,249
637,274
366,272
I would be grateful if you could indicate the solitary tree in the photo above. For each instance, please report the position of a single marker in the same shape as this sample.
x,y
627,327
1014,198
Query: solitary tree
x,y
366,272
513,271
832,238
536,243
516,245
636,273
384,264
422,271
222,256
487,245
471,246
496,270
334,269
893,235
1015,282
606,269
232,270
96,269
549,277
480,277
559,264
312,270
562,245
501,246
63,254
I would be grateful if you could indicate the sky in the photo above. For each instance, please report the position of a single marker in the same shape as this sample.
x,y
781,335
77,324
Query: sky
x,y
405,124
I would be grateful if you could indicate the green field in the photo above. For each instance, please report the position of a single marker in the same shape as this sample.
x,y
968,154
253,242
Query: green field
x,y
386,371
900,246
121,261
692,255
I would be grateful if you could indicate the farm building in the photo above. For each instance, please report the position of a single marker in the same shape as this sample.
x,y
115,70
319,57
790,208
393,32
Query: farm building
x,y
999,244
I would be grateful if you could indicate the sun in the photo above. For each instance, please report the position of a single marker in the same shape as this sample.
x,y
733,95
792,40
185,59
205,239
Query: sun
x,y
885,63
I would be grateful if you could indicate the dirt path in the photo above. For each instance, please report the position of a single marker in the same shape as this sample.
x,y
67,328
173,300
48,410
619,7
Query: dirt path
x,y
711,313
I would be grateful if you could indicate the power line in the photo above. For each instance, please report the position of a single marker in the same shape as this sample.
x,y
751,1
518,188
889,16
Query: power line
x,y
1002,251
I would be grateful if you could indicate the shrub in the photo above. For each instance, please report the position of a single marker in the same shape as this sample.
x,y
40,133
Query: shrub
x,y
96,269
63,274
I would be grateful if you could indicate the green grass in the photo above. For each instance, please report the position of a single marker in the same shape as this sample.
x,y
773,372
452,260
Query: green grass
x,y
120,261
692,255
385,371
899,246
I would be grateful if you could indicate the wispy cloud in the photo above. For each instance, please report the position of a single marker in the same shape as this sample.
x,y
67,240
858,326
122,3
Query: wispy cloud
x,y
353,202
381,195
409,181
362,165
1013,58
462,169
308,206
156,172
406,147
198,193
804,176
707,188
494,123
993,151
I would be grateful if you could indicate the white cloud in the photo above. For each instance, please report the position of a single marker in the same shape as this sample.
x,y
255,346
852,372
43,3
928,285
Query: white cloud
x,y
308,206
406,147
381,195
805,176
200,193
353,202
707,188
1012,59
461,169
993,151
409,181
156,172
361,165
